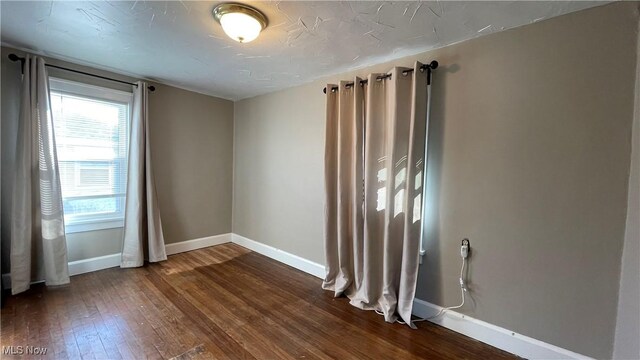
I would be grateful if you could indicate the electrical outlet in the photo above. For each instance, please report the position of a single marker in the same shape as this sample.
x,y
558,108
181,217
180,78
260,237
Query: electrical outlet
x,y
465,248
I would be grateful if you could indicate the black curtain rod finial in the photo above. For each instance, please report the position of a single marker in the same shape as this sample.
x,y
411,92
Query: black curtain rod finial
x,y
14,57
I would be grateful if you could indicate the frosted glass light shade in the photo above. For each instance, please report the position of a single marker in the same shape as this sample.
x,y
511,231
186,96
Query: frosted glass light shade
x,y
240,27
240,22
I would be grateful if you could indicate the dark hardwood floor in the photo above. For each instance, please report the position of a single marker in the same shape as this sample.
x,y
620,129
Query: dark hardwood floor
x,y
222,302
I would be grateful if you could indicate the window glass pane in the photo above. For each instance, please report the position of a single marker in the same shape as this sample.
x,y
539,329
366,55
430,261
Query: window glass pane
x,y
91,140
90,206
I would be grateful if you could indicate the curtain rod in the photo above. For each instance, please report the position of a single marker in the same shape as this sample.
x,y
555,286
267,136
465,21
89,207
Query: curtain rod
x,y
14,57
430,66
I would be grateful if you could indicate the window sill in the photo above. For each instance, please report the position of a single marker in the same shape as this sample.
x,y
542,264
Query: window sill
x,y
93,226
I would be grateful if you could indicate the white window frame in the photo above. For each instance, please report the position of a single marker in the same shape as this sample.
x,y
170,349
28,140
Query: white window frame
x,y
104,94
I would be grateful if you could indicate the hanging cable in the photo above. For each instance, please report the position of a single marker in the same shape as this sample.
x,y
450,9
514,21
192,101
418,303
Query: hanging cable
x,y
464,253
463,289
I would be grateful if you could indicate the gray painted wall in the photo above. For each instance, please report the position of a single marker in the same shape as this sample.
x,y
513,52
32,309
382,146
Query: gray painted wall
x,y
278,184
192,139
627,345
529,158
10,81
192,144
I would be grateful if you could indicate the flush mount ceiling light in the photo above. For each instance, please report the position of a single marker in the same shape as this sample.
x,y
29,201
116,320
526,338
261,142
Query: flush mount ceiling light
x,y
240,22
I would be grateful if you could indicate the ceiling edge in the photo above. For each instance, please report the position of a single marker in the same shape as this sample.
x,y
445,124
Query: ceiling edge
x,y
74,61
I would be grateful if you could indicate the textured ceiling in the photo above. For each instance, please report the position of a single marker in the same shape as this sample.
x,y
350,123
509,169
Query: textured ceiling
x,y
179,43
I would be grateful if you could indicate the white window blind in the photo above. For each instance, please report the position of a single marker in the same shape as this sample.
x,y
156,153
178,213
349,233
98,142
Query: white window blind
x,y
91,131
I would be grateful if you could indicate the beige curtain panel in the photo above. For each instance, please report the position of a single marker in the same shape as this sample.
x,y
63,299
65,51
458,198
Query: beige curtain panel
x,y
38,244
374,157
143,237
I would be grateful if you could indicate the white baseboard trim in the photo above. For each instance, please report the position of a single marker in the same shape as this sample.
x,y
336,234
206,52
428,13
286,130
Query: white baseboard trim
x,y
6,281
93,264
195,244
108,261
284,257
493,335
77,267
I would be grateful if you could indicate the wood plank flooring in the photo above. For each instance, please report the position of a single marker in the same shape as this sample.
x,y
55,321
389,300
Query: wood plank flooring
x,y
222,302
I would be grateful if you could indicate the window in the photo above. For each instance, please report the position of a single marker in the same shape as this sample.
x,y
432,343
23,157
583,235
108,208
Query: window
x,y
91,129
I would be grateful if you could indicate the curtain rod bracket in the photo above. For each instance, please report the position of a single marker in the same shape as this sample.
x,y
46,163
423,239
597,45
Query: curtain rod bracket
x,y
14,57
432,66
